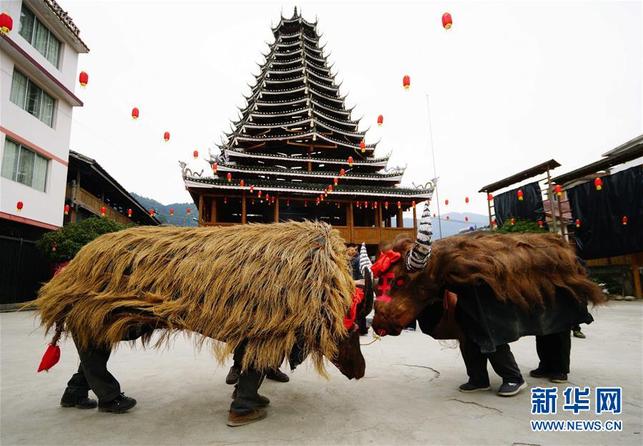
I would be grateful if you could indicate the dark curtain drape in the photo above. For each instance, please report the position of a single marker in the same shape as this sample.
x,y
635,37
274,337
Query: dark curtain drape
x,y
601,232
507,205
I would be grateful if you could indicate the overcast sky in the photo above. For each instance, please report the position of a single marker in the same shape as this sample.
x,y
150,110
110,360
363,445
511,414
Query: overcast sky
x,y
512,84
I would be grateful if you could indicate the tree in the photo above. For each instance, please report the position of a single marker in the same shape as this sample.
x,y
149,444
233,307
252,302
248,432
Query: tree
x,y
63,244
520,226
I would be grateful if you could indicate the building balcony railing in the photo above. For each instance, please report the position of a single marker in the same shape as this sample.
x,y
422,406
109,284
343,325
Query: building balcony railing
x,y
83,198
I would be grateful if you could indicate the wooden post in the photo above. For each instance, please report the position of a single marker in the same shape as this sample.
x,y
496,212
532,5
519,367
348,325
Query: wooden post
x,y
550,195
213,210
277,210
400,218
243,208
378,216
201,209
636,276
489,210
349,221
415,220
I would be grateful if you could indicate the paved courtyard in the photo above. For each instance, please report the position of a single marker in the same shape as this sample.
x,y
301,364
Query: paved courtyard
x,y
408,396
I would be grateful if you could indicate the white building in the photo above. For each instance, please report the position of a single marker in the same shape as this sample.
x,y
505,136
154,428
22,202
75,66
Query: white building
x,y
39,71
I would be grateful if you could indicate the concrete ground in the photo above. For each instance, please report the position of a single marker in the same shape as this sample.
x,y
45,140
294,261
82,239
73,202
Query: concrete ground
x,y
408,396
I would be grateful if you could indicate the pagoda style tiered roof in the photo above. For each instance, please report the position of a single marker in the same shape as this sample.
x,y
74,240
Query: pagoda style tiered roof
x,y
295,134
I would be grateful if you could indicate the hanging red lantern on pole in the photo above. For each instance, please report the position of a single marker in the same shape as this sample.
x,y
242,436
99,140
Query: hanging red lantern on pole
x,y
406,81
335,181
195,154
103,211
267,197
375,205
577,222
466,200
386,205
6,23
129,213
489,197
350,161
66,209
252,188
135,113
624,220
229,176
558,189
598,183
166,136
342,172
362,146
19,205
83,79
447,21
446,202
520,195
259,194
330,188
152,212
215,167
171,212
380,120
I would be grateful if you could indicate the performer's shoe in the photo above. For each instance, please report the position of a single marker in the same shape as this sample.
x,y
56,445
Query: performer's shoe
x,y
233,375
120,404
578,334
511,389
277,375
237,419
539,373
558,377
262,400
69,399
469,387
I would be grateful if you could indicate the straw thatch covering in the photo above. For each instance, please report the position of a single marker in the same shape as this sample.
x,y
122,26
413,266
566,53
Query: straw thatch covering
x,y
273,285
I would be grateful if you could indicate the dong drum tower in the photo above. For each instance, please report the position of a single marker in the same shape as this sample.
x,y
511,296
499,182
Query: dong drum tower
x,y
295,153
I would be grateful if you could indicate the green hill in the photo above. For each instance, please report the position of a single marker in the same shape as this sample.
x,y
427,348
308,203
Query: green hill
x,y
180,217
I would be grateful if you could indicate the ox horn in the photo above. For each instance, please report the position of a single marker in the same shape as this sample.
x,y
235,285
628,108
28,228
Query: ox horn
x,y
364,260
418,256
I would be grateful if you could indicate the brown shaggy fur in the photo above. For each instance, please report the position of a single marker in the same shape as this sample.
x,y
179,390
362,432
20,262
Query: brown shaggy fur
x,y
269,284
523,268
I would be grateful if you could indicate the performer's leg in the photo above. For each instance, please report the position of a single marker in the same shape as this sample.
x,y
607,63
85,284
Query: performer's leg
x,y
235,370
476,365
544,356
77,392
560,345
504,364
247,405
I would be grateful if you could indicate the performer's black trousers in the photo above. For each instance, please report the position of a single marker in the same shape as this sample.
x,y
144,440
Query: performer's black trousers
x,y
502,361
93,374
553,352
247,388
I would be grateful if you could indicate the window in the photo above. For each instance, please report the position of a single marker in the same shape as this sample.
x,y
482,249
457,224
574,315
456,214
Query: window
x,y
24,165
39,36
32,98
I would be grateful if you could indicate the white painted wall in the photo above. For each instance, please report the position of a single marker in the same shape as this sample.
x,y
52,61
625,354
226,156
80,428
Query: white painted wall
x,y
45,207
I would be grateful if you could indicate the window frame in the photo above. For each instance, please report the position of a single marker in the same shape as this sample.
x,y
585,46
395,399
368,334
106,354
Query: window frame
x,y
15,170
29,86
32,35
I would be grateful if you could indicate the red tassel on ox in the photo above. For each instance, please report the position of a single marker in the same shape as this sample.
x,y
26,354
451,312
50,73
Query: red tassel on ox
x,y
50,358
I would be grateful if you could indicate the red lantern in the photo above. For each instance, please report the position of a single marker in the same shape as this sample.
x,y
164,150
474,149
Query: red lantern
x,y
558,189
446,202
19,205
305,203
598,183
466,218
83,79
520,195
195,154
399,204
252,188
447,21
447,217
242,183
135,113
171,212
288,202
413,204
335,181
6,23
103,210
406,81
188,211
330,188
466,200
129,213
624,220
386,205
152,212
54,247
66,209
375,205
366,204
540,223
362,146
215,167
342,172
317,201
350,161
489,197
166,136
229,176
577,222
493,222
267,197
225,200
513,221
259,194
380,120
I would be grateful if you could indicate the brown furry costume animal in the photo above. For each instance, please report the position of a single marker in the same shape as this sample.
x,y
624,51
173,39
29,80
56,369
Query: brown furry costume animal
x,y
528,270
272,285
